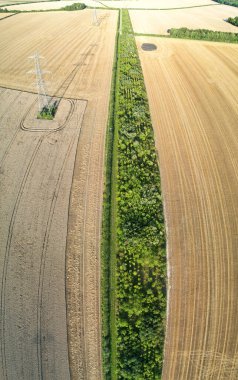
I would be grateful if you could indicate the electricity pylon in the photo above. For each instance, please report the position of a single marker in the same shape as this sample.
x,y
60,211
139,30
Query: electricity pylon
x,y
95,18
43,99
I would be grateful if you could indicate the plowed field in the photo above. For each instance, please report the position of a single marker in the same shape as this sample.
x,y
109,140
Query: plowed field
x,y
51,196
192,88
158,22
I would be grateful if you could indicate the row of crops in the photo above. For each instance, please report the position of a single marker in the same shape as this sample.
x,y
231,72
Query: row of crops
x,y
138,257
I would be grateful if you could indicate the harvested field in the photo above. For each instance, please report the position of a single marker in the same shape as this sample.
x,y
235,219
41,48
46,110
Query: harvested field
x,y
192,88
156,4
4,15
158,22
69,198
3,2
51,5
36,173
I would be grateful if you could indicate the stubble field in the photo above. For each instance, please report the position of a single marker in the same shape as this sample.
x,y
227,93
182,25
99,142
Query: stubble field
x,y
156,4
48,5
158,22
51,216
192,89
4,15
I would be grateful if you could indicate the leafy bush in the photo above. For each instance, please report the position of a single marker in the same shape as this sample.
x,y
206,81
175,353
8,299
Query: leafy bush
x,y
233,21
48,112
74,7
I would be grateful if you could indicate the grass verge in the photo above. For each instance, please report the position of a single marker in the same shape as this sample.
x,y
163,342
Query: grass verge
x,y
108,234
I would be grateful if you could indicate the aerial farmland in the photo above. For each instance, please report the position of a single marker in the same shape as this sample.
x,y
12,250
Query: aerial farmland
x,y
119,190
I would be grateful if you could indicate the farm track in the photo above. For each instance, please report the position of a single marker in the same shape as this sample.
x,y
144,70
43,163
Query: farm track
x,y
82,73
191,88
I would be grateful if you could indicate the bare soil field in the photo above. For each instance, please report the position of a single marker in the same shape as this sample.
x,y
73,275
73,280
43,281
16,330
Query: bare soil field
x,y
192,88
158,22
51,5
156,4
52,215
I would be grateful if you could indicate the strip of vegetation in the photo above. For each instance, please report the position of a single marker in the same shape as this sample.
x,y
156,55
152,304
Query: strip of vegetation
x,y
137,244
233,3
108,266
233,21
203,34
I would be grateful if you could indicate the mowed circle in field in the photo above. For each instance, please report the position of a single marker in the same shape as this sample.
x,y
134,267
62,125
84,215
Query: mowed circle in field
x,y
192,88
158,22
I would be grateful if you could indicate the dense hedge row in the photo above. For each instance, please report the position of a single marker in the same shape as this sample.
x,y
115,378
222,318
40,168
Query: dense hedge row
x,y
141,251
233,3
74,7
203,34
233,21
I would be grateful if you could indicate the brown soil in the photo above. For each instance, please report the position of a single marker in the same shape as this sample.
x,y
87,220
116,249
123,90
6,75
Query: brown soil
x,y
192,88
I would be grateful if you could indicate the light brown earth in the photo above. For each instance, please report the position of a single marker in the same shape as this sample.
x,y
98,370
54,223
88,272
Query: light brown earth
x,y
158,22
51,197
51,5
3,2
192,88
4,15
156,4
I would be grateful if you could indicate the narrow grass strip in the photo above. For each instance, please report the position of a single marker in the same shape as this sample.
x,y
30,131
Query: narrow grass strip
x,y
108,278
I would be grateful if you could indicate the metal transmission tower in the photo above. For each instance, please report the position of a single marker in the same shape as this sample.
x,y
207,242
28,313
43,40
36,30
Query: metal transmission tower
x,y
95,18
43,99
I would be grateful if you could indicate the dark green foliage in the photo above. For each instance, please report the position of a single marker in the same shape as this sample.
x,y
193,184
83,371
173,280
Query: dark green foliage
x,y
48,113
141,251
233,3
233,21
74,7
203,34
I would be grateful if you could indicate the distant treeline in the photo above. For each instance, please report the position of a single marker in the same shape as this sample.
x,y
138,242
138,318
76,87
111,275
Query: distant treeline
x,y
233,21
203,34
233,3
74,7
